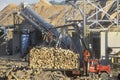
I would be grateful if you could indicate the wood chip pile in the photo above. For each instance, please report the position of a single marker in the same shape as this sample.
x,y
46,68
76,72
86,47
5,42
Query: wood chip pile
x,y
51,58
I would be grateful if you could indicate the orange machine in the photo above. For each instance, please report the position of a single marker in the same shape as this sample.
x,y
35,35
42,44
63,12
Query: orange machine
x,y
94,66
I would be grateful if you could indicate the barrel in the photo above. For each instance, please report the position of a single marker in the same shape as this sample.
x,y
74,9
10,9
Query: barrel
x,y
25,40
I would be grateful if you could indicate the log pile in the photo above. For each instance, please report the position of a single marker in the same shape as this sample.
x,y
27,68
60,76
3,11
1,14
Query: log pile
x,y
51,58
24,73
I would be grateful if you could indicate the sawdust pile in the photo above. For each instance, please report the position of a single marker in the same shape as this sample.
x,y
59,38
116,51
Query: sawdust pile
x,y
6,15
51,58
49,11
54,14
43,8
9,7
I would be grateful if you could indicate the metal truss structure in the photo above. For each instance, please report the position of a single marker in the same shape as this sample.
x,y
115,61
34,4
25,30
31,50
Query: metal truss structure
x,y
103,15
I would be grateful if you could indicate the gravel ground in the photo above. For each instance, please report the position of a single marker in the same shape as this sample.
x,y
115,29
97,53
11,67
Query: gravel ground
x,y
13,67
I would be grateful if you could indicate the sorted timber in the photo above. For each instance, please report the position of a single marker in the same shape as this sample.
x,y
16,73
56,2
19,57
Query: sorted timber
x,y
51,58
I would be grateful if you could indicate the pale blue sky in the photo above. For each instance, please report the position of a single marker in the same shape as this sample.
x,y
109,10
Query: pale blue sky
x,y
19,1
3,3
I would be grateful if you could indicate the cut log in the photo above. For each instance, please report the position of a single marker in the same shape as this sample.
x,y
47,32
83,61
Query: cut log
x,y
51,58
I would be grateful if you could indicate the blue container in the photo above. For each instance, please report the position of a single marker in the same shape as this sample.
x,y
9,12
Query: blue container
x,y
24,43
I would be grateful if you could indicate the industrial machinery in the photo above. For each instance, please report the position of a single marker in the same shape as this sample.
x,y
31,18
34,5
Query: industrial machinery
x,y
90,65
96,67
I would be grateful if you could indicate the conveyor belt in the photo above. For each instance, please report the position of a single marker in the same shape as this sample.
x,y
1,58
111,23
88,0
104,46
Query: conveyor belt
x,y
40,24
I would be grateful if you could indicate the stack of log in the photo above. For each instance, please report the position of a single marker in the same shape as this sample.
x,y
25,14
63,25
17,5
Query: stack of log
x,y
51,58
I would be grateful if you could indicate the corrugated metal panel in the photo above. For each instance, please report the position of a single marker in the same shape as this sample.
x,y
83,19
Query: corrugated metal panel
x,y
111,40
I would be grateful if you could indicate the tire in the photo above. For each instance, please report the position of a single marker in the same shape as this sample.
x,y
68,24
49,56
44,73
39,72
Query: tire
x,y
104,76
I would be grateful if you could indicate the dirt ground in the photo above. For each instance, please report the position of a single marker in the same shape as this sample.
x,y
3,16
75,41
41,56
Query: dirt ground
x,y
16,68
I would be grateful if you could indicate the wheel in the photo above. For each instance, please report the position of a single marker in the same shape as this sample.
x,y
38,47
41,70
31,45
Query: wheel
x,y
93,76
104,76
